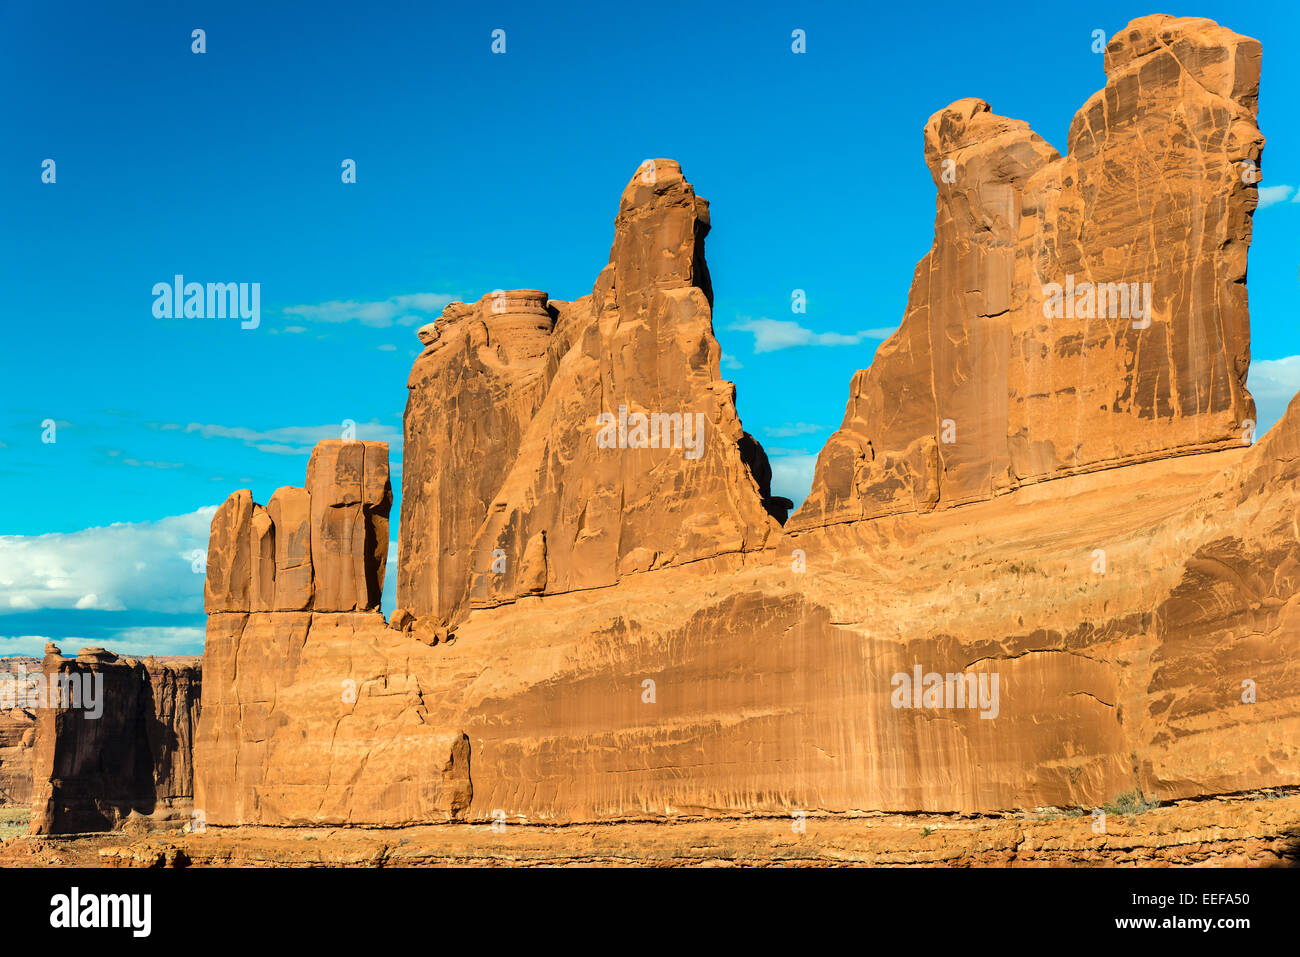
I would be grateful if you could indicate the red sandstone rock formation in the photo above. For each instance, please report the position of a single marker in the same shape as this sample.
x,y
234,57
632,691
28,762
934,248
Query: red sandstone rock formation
x,y
131,754
1141,229
366,742
637,637
322,548
509,490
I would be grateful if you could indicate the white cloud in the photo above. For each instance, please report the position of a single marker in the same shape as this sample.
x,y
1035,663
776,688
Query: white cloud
x,y
730,362
791,429
143,566
420,307
1273,383
771,335
792,476
148,463
1272,195
296,440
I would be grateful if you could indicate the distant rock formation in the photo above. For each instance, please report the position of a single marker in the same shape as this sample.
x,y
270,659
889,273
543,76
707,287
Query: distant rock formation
x,y
595,629
123,752
1075,313
17,731
17,735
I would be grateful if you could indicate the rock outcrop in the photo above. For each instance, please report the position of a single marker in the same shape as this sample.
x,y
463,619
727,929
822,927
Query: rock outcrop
x,y
113,741
1076,312
1087,586
1254,830
558,446
322,548
287,736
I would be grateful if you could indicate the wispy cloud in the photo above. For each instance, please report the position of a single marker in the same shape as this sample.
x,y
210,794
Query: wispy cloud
x,y
420,307
143,566
1272,195
771,335
116,454
791,429
296,440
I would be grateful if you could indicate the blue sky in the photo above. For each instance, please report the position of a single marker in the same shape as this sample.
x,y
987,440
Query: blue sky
x,y
475,171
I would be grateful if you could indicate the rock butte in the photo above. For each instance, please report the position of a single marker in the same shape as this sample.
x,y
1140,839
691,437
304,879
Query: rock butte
x,y
592,634
131,759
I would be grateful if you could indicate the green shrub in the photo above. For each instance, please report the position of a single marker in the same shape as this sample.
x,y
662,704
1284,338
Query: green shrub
x,y
1130,802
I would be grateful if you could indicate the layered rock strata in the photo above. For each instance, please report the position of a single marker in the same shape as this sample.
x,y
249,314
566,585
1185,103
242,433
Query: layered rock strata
x,y
636,636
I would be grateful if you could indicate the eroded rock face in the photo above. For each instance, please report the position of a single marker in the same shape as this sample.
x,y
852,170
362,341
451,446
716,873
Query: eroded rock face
x,y
555,446
322,548
1075,313
592,633
300,729
229,579
350,497
290,512
122,750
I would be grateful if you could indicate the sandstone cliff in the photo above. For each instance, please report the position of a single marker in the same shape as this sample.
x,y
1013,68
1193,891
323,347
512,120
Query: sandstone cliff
x,y
635,634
